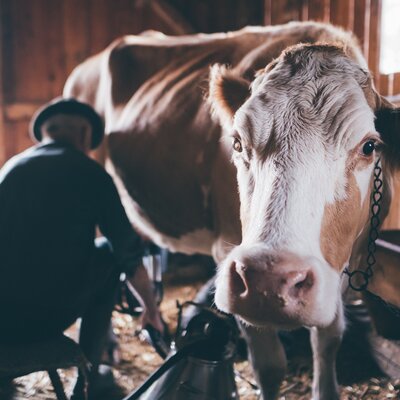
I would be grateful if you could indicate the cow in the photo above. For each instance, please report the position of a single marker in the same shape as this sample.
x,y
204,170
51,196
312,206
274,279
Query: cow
x,y
257,147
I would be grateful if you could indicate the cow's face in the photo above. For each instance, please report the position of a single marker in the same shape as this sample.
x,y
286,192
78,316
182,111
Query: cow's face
x,y
305,144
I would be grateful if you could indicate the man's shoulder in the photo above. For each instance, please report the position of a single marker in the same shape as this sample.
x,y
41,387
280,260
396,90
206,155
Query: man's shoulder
x,y
49,156
17,161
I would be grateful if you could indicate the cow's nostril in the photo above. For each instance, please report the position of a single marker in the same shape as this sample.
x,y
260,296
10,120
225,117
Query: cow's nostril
x,y
301,282
238,279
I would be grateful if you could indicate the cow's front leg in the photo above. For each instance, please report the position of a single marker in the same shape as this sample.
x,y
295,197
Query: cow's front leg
x,y
267,358
325,344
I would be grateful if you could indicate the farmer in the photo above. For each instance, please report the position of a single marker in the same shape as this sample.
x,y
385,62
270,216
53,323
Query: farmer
x,y
52,269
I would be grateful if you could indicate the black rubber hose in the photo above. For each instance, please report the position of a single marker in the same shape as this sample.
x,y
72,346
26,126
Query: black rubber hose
x,y
169,362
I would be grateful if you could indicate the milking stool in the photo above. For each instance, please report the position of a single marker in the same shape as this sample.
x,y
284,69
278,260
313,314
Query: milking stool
x,y
23,359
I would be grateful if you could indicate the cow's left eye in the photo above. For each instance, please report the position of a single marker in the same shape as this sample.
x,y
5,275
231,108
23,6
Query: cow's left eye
x,y
368,148
237,145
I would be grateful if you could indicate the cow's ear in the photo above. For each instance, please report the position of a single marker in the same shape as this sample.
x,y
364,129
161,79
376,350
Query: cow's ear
x,y
227,93
387,124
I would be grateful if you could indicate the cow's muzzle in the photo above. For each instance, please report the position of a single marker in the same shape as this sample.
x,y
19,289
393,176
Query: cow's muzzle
x,y
266,288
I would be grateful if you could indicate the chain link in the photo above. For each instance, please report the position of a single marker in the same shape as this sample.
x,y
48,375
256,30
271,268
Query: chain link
x,y
366,275
376,198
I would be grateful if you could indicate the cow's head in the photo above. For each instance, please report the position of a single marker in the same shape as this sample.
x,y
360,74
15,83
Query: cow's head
x,y
306,135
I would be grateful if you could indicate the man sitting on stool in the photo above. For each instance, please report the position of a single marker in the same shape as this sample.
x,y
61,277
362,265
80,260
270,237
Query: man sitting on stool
x,y
52,270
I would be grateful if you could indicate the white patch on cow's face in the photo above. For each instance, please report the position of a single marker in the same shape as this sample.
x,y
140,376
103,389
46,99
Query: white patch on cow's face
x,y
301,134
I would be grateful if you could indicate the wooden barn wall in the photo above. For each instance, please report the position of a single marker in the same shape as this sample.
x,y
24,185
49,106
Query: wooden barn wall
x,y
42,40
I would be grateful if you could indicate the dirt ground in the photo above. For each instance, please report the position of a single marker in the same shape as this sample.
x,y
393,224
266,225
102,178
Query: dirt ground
x,y
138,360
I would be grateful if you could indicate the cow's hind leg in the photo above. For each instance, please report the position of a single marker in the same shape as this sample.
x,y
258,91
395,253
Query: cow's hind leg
x,y
325,344
267,357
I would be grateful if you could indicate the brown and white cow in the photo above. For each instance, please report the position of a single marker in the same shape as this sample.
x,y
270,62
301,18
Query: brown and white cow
x,y
294,108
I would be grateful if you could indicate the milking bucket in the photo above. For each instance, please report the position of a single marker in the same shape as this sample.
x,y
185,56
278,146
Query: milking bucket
x,y
201,366
195,379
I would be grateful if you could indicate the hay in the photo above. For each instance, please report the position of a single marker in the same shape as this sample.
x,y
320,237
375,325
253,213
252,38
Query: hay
x,y
138,360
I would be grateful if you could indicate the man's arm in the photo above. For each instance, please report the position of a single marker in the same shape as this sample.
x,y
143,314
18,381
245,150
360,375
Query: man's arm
x,y
128,251
144,291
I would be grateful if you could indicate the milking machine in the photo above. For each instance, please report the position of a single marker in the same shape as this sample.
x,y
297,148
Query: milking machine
x,y
199,365
154,260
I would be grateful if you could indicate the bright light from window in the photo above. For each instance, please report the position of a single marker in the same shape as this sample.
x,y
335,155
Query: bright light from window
x,y
390,37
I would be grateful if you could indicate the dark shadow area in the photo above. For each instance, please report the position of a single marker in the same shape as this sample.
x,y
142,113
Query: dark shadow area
x,y
7,389
355,360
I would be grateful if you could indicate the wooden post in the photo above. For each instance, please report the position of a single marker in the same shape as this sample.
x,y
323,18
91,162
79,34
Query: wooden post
x,y
3,147
319,10
267,12
342,13
360,9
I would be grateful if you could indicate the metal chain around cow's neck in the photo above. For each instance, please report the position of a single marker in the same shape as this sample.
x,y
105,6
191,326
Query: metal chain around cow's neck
x,y
376,198
372,237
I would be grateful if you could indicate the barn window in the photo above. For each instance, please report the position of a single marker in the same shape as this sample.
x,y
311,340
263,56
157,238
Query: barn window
x,y
390,34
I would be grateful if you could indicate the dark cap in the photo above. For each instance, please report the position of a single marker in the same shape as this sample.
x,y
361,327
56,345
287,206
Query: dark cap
x,y
67,106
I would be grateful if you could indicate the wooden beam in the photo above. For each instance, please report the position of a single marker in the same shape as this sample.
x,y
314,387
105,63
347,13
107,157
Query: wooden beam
x,y
20,111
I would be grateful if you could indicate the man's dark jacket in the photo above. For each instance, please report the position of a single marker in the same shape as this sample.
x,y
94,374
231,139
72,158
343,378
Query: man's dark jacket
x,y
52,198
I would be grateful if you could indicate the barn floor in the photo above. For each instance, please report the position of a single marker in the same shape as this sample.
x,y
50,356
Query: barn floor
x,y
359,376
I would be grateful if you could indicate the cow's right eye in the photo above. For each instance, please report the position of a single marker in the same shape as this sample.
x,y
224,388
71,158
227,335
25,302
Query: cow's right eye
x,y
368,148
237,145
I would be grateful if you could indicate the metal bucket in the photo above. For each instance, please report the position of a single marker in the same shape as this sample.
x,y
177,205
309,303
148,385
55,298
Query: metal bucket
x,y
195,379
200,364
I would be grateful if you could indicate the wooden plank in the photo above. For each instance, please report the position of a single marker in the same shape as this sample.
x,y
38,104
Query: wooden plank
x,y
75,35
123,17
319,10
390,84
342,13
393,219
8,72
396,84
20,111
42,41
38,59
360,8
304,11
267,12
383,88
374,38
350,21
100,38
285,11
3,22
16,137
366,28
